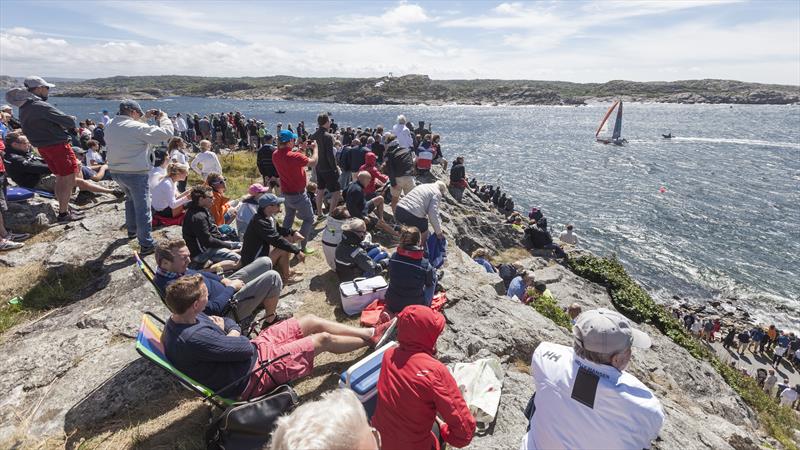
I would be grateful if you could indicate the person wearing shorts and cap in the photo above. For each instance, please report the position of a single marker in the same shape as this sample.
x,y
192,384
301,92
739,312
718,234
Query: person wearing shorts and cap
x,y
584,398
46,128
130,157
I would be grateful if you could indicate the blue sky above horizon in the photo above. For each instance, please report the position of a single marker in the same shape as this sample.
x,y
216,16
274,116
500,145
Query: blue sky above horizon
x,y
581,41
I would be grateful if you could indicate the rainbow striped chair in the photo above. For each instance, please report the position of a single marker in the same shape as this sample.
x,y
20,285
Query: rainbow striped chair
x,y
148,273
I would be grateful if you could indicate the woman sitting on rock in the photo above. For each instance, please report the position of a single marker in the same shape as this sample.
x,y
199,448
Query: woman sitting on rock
x,y
166,200
411,277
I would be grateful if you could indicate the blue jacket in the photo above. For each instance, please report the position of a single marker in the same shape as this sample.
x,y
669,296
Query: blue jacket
x,y
409,274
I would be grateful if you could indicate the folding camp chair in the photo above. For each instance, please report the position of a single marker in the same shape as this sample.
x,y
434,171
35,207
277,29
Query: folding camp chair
x,y
148,273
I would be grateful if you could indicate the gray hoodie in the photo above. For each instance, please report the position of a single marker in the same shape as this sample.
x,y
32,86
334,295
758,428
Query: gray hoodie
x,y
42,123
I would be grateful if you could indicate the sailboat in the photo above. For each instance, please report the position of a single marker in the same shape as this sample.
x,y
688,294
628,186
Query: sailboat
x,y
602,131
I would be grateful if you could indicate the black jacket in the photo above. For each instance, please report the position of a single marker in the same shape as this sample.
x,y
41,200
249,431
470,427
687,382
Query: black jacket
x,y
355,200
536,237
44,124
409,274
99,135
327,157
263,232
352,260
399,161
26,169
458,174
354,159
264,161
200,232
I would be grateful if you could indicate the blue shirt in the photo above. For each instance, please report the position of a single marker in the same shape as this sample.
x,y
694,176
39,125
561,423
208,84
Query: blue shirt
x,y
218,293
205,353
783,341
486,265
516,287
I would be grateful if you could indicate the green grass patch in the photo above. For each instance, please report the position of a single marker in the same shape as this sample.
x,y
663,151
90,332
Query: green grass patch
x,y
52,290
240,171
634,302
549,307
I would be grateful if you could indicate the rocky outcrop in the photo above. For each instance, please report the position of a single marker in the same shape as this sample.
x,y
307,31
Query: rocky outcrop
x,y
420,89
76,367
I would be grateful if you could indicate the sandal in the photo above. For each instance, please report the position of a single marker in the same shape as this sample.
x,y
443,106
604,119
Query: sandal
x,y
275,319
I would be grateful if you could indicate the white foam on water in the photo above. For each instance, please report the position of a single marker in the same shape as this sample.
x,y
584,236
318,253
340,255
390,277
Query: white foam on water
x,y
739,142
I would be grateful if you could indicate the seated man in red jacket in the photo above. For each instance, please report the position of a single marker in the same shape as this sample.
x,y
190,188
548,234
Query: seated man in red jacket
x,y
414,387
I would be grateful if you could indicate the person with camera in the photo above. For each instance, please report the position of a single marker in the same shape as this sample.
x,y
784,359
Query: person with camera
x,y
130,157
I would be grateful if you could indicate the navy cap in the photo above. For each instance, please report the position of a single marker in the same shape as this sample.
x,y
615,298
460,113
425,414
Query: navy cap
x,y
286,136
269,200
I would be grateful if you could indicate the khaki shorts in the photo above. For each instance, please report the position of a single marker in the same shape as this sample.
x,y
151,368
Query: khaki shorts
x,y
404,184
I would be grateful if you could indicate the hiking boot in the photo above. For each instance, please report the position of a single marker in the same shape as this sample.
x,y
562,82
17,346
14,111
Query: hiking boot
x,y
144,251
68,217
6,245
18,237
119,193
384,332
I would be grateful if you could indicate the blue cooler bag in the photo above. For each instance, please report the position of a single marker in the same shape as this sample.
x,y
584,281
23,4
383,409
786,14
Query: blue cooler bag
x,y
362,378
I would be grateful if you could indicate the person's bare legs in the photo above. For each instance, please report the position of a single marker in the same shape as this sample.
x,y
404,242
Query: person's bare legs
x,y
280,262
387,228
90,186
335,197
378,202
312,325
63,191
319,200
270,305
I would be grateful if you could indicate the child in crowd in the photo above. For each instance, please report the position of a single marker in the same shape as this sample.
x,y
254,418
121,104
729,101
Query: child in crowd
x,y
206,162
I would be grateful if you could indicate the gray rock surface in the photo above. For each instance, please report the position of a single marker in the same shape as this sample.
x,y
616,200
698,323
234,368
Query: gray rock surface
x,y
76,367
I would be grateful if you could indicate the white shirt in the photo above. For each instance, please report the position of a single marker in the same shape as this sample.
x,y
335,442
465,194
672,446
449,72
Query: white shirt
x,y
155,176
696,326
92,155
178,156
180,124
404,137
205,163
106,119
788,396
568,237
164,195
625,413
423,201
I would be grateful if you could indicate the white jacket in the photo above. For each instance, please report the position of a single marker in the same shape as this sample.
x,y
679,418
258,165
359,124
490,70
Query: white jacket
x,y
205,163
130,143
423,201
404,137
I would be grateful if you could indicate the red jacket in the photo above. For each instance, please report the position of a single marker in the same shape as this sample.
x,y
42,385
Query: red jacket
x,y
414,386
369,165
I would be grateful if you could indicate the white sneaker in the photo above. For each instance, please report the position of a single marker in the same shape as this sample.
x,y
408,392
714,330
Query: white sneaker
x,y
6,244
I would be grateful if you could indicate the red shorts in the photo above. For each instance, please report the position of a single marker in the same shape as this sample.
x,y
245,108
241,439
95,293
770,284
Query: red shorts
x,y
283,337
60,159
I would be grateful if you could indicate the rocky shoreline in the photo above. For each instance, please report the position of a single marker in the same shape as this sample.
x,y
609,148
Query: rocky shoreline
x,y
73,372
420,89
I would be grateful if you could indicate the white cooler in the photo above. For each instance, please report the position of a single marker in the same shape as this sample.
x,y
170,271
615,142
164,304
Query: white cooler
x,y
359,293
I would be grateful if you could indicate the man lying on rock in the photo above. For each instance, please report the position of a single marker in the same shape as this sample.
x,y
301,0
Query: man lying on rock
x,y
254,285
211,349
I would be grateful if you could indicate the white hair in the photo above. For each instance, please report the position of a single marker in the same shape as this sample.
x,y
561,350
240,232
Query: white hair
x,y
332,423
353,223
442,187
401,119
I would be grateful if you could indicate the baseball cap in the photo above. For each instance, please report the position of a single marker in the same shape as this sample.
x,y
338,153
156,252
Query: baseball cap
x,y
130,105
77,150
608,332
268,137
286,136
5,107
256,188
34,82
269,200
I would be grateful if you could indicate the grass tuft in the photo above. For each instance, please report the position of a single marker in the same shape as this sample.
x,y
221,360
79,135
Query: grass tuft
x,y
634,302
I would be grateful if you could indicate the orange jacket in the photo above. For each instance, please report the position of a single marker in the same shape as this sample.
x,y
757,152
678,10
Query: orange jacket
x,y
219,208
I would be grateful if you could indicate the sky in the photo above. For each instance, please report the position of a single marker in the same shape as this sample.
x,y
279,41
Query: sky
x,y
580,41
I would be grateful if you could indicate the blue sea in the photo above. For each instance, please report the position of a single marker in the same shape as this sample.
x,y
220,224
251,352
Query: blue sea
x,y
725,226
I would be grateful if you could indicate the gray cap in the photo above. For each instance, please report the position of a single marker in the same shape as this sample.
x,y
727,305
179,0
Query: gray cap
x,y
34,82
607,332
77,150
5,107
130,105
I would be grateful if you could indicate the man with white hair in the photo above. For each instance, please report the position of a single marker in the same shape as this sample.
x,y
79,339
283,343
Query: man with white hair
x,y
421,205
321,424
584,398
404,137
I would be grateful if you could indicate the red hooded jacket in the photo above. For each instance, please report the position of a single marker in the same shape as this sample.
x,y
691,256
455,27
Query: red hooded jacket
x,y
414,386
369,165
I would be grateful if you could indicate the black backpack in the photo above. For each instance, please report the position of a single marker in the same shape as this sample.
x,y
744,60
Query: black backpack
x,y
507,272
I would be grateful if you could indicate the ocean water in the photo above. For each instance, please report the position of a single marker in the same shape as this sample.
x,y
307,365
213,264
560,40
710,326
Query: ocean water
x,y
727,225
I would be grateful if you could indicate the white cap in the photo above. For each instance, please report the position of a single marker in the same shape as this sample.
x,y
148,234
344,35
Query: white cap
x,y
607,332
5,107
34,82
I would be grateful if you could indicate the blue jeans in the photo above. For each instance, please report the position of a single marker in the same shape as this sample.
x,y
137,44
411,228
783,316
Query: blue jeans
x,y
138,217
300,205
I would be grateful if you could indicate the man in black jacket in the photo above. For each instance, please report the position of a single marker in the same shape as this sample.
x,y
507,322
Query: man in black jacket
x,y
458,179
327,170
400,168
265,166
264,233
353,258
204,240
359,207
22,166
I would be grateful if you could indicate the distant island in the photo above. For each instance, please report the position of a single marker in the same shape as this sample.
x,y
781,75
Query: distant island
x,y
420,89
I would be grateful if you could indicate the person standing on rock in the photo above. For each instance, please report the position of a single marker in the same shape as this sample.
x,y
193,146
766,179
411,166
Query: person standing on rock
x,y
327,170
130,157
584,397
47,129
770,381
291,167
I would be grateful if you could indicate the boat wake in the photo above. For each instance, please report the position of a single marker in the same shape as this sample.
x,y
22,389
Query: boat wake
x,y
792,145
